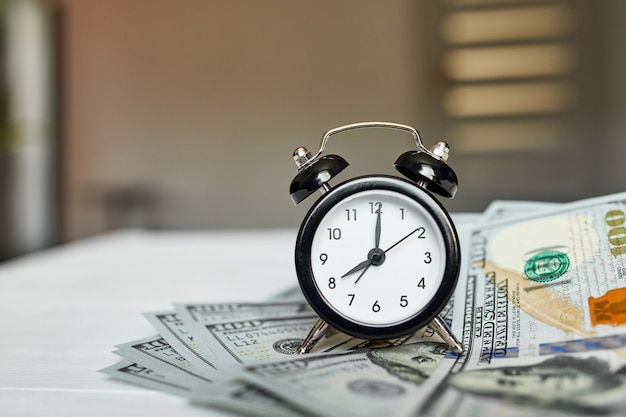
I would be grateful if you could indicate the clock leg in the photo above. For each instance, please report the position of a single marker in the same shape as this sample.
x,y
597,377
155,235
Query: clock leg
x,y
441,328
316,333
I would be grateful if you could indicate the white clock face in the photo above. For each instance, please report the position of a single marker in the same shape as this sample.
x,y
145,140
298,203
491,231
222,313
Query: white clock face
x,y
378,257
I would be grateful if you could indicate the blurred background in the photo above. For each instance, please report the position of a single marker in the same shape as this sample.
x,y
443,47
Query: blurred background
x,y
184,114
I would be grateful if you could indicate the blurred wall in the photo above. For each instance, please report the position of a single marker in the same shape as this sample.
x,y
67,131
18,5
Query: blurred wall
x,y
185,114
612,119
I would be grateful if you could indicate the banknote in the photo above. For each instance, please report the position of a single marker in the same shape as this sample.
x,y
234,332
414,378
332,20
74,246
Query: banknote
x,y
252,339
368,382
543,318
197,316
235,397
172,328
155,353
588,383
541,284
140,375
413,358
155,360
244,398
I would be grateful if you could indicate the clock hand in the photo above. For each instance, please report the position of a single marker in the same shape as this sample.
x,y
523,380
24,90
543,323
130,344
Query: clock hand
x,y
377,231
368,262
401,240
364,271
362,265
376,256
365,264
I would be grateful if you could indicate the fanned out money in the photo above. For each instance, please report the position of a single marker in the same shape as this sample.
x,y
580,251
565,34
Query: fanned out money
x,y
540,307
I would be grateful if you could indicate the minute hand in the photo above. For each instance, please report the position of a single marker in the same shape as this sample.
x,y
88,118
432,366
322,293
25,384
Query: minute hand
x,y
402,240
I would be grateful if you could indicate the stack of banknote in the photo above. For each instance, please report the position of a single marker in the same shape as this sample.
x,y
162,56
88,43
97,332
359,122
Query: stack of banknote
x,y
540,307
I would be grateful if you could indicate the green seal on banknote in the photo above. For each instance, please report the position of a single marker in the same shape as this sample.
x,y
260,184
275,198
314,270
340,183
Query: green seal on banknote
x,y
546,266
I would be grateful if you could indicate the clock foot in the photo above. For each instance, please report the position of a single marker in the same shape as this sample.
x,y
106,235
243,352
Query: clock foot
x,y
316,333
441,328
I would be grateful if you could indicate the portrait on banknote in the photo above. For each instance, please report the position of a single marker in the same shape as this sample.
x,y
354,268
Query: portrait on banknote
x,y
413,362
563,381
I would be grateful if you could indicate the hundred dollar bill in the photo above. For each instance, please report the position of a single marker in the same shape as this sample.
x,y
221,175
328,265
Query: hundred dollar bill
x,y
171,371
413,360
539,285
250,339
244,398
140,375
232,396
372,382
536,290
197,316
589,383
207,313
155,353
172,328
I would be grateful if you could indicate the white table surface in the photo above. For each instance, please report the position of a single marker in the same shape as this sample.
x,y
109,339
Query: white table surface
x,y
63,310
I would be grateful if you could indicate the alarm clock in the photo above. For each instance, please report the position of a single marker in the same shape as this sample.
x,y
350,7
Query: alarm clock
x,y
377,257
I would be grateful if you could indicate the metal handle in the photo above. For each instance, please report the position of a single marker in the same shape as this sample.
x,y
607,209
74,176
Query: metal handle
x,y
389,125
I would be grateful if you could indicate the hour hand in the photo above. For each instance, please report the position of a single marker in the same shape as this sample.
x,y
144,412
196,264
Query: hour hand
x,y
369,261
357,268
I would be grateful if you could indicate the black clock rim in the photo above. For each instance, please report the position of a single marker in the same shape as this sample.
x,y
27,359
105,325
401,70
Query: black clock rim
x,y
304,270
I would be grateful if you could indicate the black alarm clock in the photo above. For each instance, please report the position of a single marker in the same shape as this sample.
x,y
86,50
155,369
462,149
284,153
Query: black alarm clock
x,y
377,257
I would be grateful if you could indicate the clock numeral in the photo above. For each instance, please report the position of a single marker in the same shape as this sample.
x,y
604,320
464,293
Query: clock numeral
x,y
376,207
351,299
323,258
401,213
421,231
376,307
428,258
404,301
331,283
351,214
422,283
334,233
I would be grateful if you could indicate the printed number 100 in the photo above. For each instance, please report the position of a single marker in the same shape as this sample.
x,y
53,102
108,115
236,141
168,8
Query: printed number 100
x,y
617,234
